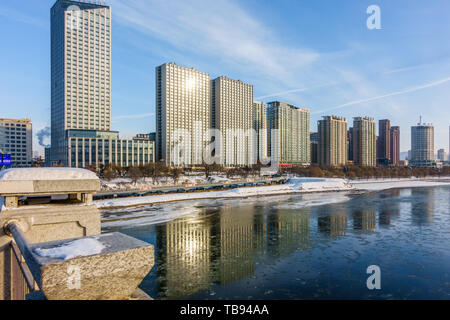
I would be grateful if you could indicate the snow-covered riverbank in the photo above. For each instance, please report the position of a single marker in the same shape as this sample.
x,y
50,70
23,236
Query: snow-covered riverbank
x,y
295,185
378,185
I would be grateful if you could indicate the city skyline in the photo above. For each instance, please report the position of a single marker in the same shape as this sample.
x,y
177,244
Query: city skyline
x,y
271,61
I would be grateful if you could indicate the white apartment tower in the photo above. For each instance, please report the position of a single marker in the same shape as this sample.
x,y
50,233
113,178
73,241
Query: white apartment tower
x,y
232,114
80,71
332,136
422,145
182,114
364,142
289,140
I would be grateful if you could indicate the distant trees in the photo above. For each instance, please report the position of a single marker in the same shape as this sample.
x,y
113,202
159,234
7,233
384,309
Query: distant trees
x,y
175,174
134,173
159,170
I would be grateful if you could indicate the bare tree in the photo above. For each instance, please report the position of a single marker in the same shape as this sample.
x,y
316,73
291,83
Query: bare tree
x,y
134,173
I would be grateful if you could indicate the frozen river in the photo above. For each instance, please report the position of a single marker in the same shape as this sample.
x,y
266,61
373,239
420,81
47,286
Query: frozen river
x,y
304,246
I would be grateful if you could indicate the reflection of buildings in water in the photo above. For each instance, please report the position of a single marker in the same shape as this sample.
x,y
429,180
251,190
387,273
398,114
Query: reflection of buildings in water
x,y
423,205
195,251
234,244
364,220
389,209
287,231
183,256
334,225
259,233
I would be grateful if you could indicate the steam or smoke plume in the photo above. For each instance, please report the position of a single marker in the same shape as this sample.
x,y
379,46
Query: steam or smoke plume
x,y
42,134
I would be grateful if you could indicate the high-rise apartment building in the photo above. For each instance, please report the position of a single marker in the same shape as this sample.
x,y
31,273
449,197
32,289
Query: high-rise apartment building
x,y
332,148
422,145
183,114
364,142
442,155
16,140
80,71
260,126
395,145
288,134
384,142
232,115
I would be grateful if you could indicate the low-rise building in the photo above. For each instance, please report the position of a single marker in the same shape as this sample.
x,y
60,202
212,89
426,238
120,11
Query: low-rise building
x,y
93,148
16,141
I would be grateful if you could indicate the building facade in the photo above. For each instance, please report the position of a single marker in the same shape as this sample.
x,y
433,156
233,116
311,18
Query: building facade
x,y
442,155
395,145
422,145
364,142
93,148
314,142
288,134
384,142
332,148
16,140
232,114
183,113
80,71
260,127
350,144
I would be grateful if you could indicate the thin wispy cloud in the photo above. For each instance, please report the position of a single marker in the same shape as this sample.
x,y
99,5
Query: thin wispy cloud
x,y
392,94
220,29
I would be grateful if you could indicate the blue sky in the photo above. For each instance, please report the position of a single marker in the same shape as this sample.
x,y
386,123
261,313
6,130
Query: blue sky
x,y
317,54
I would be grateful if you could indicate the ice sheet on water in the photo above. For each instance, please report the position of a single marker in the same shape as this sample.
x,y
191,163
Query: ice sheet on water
x,y
148,215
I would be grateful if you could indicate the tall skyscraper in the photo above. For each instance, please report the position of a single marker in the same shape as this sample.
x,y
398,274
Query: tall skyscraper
x,y
395,145
80,71
332,149
16,140
183,113
364,142
232,114
260,126
289,134
422,145
384,142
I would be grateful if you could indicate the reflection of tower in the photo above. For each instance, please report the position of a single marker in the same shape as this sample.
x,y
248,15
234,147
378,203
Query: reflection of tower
x,y
364,220
259,233
422,210
286,232
234,247
184,255
389,209
335,225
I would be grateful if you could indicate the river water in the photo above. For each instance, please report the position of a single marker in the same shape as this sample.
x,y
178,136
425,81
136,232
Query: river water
x,y
311,246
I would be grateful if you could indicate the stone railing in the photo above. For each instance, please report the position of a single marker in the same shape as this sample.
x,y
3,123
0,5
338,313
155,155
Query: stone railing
x,y
51,242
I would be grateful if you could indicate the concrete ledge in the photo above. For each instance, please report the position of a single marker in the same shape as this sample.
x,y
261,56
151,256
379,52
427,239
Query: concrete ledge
x,y
44,187
55,222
